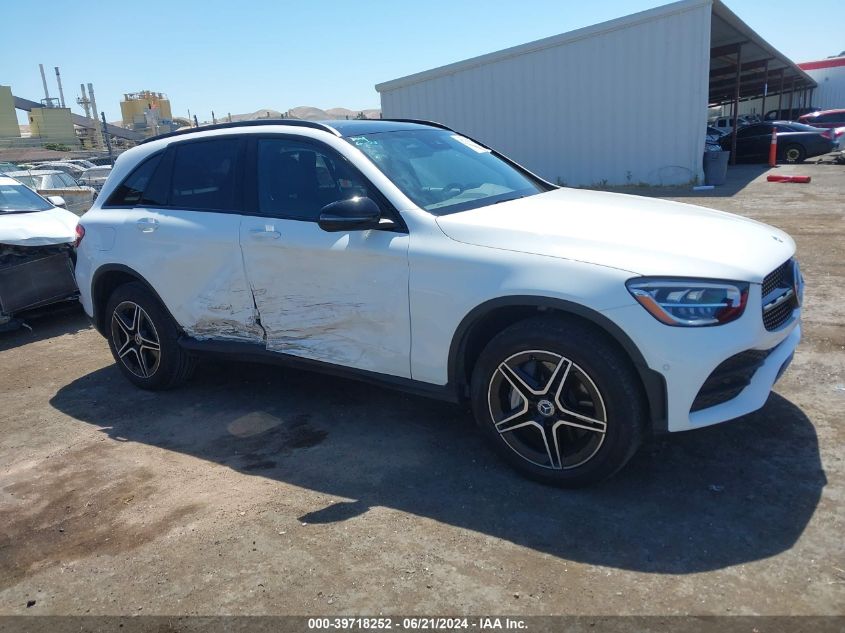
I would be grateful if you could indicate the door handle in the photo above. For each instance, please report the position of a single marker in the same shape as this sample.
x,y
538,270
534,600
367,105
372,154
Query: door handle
x,y
265,234
146,225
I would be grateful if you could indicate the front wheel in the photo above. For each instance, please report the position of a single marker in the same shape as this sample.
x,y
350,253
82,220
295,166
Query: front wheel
x,y
558,401
794,153
143,339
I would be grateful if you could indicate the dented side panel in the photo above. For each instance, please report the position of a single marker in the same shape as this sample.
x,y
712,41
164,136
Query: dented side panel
x,y
335,297
193,260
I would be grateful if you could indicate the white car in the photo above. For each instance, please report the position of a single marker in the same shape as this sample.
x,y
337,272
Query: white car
x,y
37,237
95,177
573,321
725,124
52,182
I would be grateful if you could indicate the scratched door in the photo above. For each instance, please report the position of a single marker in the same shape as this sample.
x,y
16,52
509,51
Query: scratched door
x,y
339,297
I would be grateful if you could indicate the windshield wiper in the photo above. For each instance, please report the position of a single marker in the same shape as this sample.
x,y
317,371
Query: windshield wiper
x,y
508,199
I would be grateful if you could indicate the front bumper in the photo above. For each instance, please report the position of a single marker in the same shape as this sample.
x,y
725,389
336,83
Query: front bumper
x,y
686,357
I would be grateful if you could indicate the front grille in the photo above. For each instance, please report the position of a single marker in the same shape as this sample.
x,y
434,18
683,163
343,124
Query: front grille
x,y
729,379
778,293
780,277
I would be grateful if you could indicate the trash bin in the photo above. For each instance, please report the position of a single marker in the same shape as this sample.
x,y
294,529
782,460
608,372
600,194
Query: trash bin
x,y
716,167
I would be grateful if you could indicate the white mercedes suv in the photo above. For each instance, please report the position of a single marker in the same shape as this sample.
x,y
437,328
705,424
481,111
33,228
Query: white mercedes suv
x,y
403,252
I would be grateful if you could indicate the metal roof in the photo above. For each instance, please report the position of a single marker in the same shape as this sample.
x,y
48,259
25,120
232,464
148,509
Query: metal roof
x,y
760,63
727,33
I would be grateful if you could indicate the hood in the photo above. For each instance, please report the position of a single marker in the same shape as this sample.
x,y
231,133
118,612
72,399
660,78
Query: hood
x,y
39,228
646,236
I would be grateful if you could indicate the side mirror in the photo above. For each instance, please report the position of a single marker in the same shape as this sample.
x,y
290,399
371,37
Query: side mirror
x,y
57,201
352,214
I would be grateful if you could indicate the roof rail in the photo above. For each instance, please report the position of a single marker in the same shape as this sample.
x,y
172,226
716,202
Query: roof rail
x,y
251,123
420,121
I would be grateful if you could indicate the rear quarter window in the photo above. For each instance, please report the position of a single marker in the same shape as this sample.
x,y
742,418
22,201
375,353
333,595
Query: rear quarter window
x,y
131,191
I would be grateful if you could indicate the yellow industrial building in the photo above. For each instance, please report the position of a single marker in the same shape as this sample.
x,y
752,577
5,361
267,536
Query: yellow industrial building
x,y
145,110
8,118
54,125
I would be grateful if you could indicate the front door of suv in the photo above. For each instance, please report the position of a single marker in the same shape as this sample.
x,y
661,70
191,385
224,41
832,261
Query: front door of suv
x,y
340,298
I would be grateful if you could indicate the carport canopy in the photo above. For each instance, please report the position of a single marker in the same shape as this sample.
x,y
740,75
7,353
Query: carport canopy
x,y
743,66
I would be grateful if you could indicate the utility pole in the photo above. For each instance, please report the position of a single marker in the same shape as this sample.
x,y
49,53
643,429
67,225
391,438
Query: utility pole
x,y
106,136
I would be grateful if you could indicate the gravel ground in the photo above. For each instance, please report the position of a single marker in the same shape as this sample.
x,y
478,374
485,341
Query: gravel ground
x,y
258,490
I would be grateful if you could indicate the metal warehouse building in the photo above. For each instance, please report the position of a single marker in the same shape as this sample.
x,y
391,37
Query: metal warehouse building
x,y
622,102
830,76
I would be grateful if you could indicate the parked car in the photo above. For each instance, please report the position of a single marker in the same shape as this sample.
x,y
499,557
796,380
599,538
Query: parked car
x,y
725,124
81,162
824,118
71,169
36,246
52,182
101,160
7,167
788,114
796,142
95,177
408,254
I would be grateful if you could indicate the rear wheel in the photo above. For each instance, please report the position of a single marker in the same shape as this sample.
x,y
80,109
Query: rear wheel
x,y
558,401
794,153
143,339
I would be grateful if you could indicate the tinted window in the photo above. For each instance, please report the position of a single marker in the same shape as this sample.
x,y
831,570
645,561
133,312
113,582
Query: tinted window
x,y
296,180
753,130
204,175
129,192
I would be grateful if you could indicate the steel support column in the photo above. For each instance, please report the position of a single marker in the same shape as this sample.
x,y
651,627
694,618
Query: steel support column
x,y
765,89
735,118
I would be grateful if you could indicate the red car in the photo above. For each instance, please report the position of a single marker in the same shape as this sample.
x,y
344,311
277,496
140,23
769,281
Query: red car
x,y
825,118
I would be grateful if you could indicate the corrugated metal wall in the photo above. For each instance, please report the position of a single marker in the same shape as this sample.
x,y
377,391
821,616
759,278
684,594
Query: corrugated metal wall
x,y
830,94
624,106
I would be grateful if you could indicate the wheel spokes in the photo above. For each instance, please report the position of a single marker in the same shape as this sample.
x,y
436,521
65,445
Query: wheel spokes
x,y
547,409
582,422
517,381
135,339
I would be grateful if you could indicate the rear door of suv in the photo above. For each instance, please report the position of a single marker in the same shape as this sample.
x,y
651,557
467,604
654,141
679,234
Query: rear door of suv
x,y
340,298
179,231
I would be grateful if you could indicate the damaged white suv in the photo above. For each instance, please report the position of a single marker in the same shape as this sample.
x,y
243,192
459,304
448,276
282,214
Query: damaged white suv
x,y
406,253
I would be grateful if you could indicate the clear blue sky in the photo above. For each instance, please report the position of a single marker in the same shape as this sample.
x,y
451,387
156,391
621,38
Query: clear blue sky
x,y
231,56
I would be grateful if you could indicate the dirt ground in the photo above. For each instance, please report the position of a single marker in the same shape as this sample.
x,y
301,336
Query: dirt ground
x,y
258,490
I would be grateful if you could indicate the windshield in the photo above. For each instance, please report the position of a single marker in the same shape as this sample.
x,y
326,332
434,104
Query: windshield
x,y
444,172
18,199
29,181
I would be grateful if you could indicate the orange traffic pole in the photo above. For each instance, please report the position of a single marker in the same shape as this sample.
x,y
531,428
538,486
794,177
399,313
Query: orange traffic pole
x,y
773,148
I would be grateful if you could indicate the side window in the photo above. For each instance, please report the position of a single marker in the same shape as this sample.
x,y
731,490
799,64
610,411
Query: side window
x,y
67,180
751,130
130,191
205,175
296,180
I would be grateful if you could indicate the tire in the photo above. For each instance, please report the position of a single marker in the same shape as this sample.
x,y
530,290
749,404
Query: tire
x,y
594,405
794,153
143,339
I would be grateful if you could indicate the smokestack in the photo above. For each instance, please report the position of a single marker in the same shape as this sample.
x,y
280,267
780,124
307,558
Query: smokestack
x,y
61,92
44,81
85,103
98,138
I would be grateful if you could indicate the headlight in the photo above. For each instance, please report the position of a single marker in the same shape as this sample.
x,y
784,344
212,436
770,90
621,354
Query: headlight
x,y
690,302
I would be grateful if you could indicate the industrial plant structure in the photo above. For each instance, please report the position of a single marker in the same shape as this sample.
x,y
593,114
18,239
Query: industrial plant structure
x,y
147,112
